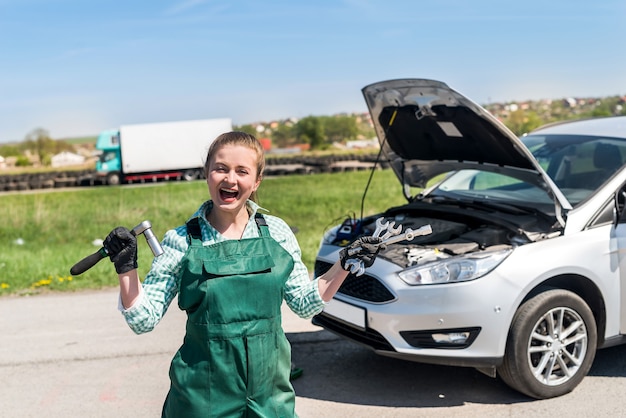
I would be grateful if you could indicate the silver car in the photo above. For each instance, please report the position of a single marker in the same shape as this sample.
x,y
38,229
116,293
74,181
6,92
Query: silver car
x,y
524,272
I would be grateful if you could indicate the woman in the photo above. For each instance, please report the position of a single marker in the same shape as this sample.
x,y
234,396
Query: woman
x,y
231,268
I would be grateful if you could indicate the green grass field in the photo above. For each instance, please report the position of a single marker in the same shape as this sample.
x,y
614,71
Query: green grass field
x,y
44,233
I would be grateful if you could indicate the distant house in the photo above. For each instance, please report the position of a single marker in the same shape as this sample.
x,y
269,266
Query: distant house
x,y
65,158
362,144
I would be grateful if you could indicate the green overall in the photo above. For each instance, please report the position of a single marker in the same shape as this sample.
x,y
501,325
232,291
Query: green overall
x,y
235,359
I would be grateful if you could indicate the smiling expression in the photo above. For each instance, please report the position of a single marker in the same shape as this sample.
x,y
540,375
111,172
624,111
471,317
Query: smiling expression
x,y
232,177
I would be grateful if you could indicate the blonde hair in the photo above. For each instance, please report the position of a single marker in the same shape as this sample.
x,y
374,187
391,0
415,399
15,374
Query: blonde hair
x,y
243,139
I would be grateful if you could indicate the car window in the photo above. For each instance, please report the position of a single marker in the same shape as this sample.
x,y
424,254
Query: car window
x,y
604,216
577,164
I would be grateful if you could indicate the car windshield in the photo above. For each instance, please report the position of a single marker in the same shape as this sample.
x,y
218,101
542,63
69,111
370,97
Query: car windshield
x,y
578,165
486,186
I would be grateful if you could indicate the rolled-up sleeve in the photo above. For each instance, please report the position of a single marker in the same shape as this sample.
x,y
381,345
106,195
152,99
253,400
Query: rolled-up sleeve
x,y
160,285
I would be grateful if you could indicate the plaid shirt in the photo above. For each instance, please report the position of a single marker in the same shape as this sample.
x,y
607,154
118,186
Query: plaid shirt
x,y
162,283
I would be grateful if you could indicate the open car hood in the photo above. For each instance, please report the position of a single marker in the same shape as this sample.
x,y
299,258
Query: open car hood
x,y
425,128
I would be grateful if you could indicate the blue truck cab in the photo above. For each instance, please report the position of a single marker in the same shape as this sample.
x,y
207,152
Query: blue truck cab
x,y
109,165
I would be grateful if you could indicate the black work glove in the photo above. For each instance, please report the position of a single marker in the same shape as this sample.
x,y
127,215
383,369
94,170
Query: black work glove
x,y
362,251
121,245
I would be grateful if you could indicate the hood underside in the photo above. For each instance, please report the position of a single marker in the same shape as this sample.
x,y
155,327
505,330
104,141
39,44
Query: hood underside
x,y
425,128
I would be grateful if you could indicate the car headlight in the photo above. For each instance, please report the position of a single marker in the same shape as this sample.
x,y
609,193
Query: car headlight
x,y
455,269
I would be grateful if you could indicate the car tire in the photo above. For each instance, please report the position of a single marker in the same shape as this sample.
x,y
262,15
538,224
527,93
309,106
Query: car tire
x,y
553,331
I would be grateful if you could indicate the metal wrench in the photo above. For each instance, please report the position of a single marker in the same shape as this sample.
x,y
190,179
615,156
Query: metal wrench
x,y
408,235
380,227
390,228
355,266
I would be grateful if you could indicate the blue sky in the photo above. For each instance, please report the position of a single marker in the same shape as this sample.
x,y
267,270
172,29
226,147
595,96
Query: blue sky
x,y
76,67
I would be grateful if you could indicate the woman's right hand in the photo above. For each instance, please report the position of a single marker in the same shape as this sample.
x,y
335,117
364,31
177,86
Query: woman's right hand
x,y
121,245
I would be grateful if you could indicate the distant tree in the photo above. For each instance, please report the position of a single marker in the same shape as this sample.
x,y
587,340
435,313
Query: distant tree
x,y
249,129
366,131
601,108
521,122
283,136
558,111
310,130
39,143
340,128
10,150
22,161
601,112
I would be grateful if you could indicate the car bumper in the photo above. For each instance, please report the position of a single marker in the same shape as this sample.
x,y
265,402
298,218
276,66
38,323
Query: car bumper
x,y
426,323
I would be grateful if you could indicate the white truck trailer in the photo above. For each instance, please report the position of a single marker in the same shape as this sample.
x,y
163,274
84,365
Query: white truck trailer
x,y
157,151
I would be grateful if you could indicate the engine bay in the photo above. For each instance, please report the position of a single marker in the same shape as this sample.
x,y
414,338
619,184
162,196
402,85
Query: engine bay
x,y
454,233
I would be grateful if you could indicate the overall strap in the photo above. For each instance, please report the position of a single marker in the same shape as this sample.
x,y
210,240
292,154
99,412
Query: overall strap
x,y
194,234
262,225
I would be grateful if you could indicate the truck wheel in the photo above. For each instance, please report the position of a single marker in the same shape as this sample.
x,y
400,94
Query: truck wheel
x,y
551,345
190,175
113,179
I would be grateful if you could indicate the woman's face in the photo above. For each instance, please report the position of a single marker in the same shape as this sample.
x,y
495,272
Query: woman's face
x,y
232,177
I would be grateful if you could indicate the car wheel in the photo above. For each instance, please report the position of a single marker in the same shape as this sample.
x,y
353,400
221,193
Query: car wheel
x,y
551,345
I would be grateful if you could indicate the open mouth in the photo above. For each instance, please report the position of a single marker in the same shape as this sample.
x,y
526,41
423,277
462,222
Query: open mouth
x,y
228,195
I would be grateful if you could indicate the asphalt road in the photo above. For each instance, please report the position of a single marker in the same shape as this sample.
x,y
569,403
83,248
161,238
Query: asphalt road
x,y
72,355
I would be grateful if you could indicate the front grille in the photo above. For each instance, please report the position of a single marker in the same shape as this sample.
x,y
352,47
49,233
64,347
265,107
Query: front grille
x,y
364,287
369,337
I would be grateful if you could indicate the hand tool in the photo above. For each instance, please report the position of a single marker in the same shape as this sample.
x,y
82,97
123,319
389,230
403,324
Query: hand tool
x,y
392,236
386,229
408,235
144,228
